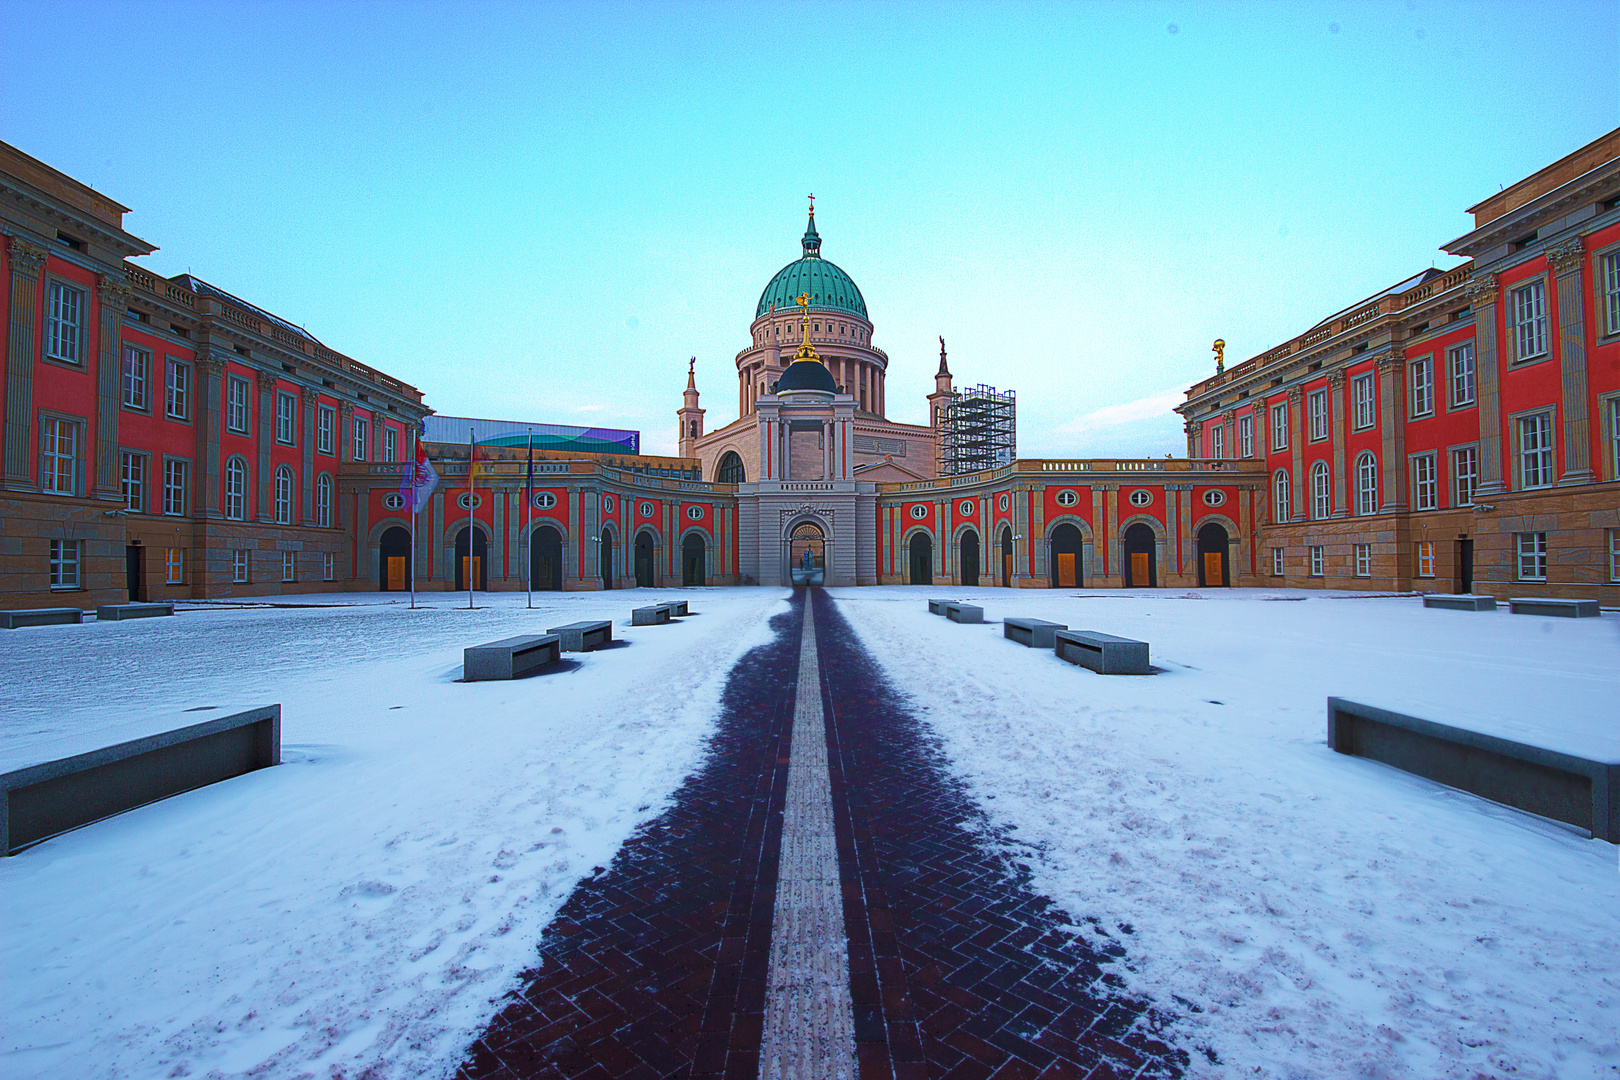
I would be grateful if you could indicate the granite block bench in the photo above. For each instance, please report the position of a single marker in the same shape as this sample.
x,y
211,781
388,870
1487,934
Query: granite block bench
x,y
120,612
651,615
584,636
1580,791
677,608
45,616
510,658
937,607
1459,602
1569,609
1102,653
42,800
1034,633
959,612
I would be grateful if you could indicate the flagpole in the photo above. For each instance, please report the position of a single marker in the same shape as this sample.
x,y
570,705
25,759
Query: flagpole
x,y
472,497
528,500
412,568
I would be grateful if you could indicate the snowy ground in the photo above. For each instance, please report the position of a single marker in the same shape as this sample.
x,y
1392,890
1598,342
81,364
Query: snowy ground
x,y
1329,916
358,907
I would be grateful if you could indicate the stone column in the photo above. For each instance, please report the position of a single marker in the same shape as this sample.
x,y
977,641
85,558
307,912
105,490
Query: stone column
x,y
27,262
1229,422
942,539
1296,443
113,293
307,400
210,376
1482,294
497,533
436,548
266,433
1099,535
1171,533
1189,550
345,432
590,505
1191,430
1567,261
1392,411
1336,383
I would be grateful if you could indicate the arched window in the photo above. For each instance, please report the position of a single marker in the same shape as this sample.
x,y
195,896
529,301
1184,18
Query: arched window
x,y
236,489
1321,491
323,501
1366,485
1282,504
730,470
284,496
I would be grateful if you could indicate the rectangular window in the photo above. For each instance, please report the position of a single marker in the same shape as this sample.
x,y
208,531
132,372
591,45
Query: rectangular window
x,y
1535,451
177,391
361,431
239,566
174,487
1529,313
1465,470
329,567
65,564
1614,554
1276,562
1425,490
236,405
390,444
1217,440
1319,414
174,566
137,378
1279,426
286,418
1366,405
1422,387
325,422
132,474
59,451
1532,556
1614,438
1425,558
64,323
1611,293
1246,436
1461,363
289,566
1363,560
1316,560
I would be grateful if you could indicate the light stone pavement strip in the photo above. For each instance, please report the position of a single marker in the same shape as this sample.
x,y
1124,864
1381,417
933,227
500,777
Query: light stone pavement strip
x,y
809,1017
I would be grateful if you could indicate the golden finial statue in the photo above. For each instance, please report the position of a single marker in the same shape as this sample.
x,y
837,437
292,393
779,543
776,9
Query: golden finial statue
x,y
805,351
1220,355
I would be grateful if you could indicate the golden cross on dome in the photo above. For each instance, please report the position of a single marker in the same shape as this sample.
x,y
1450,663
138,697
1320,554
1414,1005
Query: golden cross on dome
x,y
812,205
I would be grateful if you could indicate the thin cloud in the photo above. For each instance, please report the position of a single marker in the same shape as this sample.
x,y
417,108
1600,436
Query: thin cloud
x,y
1111,416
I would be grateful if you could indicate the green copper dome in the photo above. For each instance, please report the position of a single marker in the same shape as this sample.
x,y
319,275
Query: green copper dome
x,y
829,288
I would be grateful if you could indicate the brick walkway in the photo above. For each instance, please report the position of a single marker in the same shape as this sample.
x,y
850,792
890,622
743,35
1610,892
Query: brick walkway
x,y
658,965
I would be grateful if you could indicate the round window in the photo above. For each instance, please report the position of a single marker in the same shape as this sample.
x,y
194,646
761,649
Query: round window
x,y
607,504
1067,498
1214,498
1003,501
544,500
1141,498
919,511
966,509
646,509
694,513
392,501
468,501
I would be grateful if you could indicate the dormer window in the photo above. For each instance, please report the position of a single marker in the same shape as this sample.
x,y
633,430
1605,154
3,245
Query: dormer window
x,y
69,241
1524,241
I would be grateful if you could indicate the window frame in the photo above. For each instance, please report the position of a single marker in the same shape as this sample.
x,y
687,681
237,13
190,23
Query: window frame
x,y
1537,552
1317,409
1321,494
1366,492
1245,436
1318,561
390,438
1548,451
289,567
59,564
1420,391
1463,350
325,430
1278,564
183,487
1458,474
1279,426
238,414
1282,496
75,457
1614,554
286,494
323,500
52,337
286,421
136,375
174,367
236,510
1609,435
329,566
126,458
174,566
359,436
1360,404
1606,290
1536,283
1419,463
1424,558
242,566
1363,552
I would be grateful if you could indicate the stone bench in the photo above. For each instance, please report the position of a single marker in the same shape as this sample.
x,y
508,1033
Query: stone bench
x,y
1034,633
1569,609
937,607
584,636
120,612
510,658
1102,653
677,608
959,612
651,615
1576,790
1460,602
43,800
45,616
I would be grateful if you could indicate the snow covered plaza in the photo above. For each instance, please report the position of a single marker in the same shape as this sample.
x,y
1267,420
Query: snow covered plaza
x,y
1041,871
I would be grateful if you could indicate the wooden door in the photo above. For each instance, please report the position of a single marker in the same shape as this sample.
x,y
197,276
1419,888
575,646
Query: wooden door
x,y
470,576
1006,570
396,573
1212,568
1140,569
1065,569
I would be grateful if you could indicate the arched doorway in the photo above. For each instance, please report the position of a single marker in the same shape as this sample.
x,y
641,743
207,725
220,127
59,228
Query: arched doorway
x,y
1214,546
605,553
646,564
922,559
730,469
1006,558
694,560
1068,558
545,559
968,553
807,554
479,569
1141,557
394,560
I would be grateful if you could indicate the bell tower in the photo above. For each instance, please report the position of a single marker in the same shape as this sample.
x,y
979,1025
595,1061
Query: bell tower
x,y
940,400
689,416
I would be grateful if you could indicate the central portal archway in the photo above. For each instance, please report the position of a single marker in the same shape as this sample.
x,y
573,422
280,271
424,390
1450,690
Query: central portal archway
x,y
394,560
545,558
646,564
478,567
694,560
605,554
1214,548
922,559
1141,557
968,553
807,554
1006,557
1068,557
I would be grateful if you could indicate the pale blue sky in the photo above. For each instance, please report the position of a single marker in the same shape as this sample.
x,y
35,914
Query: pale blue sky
x,y
540,211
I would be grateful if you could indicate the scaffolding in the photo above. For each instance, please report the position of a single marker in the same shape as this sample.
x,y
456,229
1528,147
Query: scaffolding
x,y
980,431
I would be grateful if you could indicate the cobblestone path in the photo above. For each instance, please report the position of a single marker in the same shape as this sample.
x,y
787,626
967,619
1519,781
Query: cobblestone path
x,y
661,965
